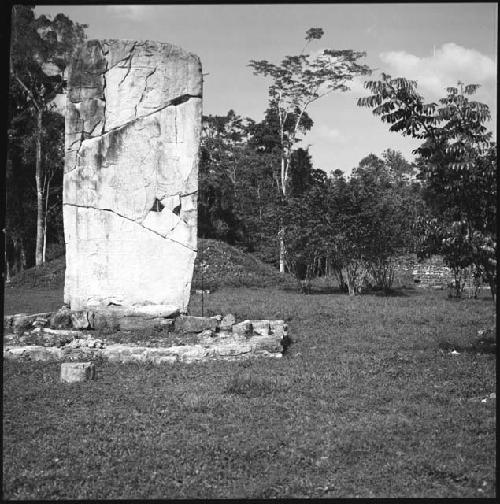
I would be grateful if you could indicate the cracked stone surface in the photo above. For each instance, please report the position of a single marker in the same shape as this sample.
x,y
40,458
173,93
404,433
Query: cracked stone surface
x,y
133,123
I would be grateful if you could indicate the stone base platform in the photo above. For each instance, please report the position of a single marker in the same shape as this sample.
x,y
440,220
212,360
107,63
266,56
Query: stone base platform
x,y
234,348
209,338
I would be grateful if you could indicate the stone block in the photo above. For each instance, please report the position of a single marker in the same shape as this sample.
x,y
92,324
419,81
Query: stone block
x,y
206,337
278,328
137,323
42,321
133,126
61,319
22,322
227,322
191,353
166,359
166,324
189,324
7,321
243,328
232,349
270,343
154,311
33,353
106,322
131,323
73,372
82,319
261,327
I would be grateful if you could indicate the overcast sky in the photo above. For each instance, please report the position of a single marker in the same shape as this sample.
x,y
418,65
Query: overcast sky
x,y
435,44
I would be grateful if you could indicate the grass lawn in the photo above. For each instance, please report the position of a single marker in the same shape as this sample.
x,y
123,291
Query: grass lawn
x,y
367,402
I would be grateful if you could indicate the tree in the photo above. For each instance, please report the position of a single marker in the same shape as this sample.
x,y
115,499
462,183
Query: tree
x,y
40,51
456,165
239,180
298,82
355,226
400,169
221,144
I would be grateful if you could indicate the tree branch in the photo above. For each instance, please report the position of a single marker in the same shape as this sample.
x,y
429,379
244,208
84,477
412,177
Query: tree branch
x,y
27,90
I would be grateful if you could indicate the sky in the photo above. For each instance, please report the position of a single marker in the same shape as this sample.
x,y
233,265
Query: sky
x,y
436,44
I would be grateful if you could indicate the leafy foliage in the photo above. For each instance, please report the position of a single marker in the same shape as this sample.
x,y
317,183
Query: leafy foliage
x,y
457,163
239,181
296,83
40,51
356,226
301,80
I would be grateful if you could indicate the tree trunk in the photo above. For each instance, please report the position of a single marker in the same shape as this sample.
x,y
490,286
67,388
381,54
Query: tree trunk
x,y
22,255
45,212
7,265
282,252
39,192
281,232
44,249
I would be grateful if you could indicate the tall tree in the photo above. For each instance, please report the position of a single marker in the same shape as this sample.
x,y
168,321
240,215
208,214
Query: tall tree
x,y
297,82
456,163
40,51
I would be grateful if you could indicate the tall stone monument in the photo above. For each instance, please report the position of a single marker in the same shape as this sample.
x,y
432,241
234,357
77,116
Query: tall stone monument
x,y
133,124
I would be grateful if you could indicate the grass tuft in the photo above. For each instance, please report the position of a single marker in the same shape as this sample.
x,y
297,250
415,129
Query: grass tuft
x,y
249,384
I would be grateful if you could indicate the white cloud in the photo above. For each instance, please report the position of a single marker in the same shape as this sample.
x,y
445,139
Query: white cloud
x,y
128,12
329,134
449,64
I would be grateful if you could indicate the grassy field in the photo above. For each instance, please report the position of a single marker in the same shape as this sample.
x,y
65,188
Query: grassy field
x,y
368,401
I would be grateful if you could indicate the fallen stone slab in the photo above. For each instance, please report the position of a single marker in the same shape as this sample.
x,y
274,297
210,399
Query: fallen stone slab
x,y
187,324
62,332
106,322
21,322
33,353
154,311
137,323
268,343
87,342
212,346
244,328
74,372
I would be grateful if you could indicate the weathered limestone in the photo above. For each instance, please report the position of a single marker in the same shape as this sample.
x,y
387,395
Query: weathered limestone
x,y
189,324
82,319
61,319
227,322
72,372
194,339
133,123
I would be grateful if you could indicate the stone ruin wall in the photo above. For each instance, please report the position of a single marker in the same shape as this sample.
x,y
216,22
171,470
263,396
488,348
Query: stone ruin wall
x,y
133,124
426,273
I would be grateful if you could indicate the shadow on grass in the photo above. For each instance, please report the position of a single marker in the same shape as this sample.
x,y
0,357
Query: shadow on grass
x,y
326,290
486,345
315,290
396,292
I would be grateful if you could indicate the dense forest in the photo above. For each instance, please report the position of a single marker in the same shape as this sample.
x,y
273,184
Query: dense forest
x,y
258,188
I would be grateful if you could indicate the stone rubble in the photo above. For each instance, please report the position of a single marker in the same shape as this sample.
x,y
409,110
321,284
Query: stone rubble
x,y
214,338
